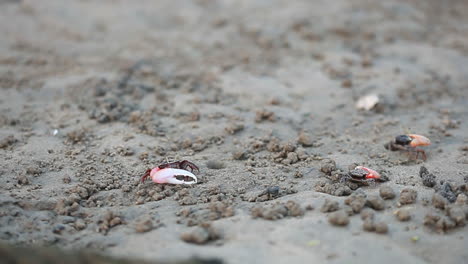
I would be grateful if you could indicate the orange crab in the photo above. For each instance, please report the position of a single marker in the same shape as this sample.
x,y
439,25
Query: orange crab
x,y
409,143
363,175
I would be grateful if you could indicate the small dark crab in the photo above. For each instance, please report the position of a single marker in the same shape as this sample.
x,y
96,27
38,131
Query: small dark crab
x,y
182,164
363,176
173,172
409,143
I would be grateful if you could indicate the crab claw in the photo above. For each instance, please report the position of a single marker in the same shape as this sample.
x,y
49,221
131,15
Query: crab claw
x,y
419,140
172,176
371,174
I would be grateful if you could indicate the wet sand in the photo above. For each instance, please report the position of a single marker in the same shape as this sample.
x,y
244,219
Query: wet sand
x,y
261,96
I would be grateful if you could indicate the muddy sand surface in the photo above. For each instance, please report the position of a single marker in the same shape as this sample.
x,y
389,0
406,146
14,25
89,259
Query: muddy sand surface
x,y
261,96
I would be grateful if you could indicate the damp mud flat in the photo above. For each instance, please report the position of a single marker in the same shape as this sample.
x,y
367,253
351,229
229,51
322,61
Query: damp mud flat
x,y
261,96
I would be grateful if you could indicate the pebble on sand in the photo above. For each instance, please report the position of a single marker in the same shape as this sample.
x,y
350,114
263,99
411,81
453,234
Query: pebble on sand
x,y
339,218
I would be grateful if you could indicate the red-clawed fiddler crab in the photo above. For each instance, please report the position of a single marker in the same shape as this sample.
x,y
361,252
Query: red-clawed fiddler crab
x,y
173,173
363,175
409,143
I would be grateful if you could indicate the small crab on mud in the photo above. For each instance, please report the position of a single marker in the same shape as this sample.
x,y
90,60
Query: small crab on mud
x,y
409,143
172,172
363,176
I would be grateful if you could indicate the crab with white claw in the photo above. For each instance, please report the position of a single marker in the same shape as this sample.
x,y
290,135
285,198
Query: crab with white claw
x,y
173,173
363,176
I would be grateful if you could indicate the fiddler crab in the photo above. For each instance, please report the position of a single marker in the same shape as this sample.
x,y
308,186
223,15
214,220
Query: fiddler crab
x,y
363,176
409,143
173,173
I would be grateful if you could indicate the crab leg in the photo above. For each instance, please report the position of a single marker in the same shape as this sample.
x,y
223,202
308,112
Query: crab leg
x,y
187,164
146,175
184,164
